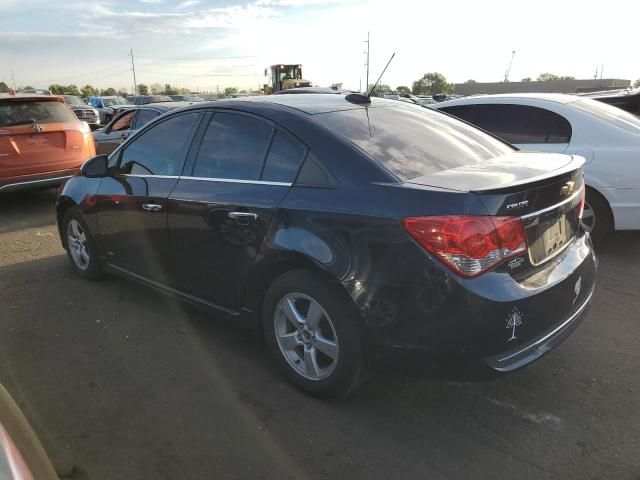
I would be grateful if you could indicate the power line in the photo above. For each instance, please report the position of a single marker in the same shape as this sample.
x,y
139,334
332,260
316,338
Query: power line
x,y
198,58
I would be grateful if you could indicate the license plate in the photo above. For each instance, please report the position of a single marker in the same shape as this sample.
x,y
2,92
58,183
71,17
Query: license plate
x,y
555,236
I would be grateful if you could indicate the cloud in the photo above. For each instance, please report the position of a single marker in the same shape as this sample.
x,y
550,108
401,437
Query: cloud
x,y
187,4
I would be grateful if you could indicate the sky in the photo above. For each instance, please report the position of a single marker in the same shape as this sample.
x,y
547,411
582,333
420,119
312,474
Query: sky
x,y
212,44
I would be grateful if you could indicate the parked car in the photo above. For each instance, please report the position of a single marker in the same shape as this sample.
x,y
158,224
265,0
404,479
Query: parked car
x,y
609,138
109,107
342,225
144,99
627,99
298,90
186,98
107,139
83,111
42,143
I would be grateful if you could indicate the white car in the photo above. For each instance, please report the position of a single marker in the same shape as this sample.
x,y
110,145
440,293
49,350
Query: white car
x,y
608,138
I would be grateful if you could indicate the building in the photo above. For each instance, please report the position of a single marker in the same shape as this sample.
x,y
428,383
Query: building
x,y
549,86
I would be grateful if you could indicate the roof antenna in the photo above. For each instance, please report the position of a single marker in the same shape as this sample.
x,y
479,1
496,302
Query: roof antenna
x,y
380,77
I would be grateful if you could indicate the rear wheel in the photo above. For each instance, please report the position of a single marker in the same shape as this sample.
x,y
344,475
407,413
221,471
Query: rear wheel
x,y
81,248
312,331
597,218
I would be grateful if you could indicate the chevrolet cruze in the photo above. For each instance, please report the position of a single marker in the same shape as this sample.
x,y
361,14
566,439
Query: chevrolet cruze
x,y
343,226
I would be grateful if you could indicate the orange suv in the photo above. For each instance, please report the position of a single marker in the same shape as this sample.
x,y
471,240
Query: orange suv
x,y
42,143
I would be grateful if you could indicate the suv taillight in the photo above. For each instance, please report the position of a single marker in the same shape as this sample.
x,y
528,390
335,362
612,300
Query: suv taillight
x,y
469,245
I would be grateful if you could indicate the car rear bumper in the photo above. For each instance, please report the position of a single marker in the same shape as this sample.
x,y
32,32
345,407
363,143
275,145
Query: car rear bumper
x,y
51,179
536,347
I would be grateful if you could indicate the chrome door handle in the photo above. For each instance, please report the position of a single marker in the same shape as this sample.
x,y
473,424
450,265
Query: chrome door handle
x,y
151,207
243,216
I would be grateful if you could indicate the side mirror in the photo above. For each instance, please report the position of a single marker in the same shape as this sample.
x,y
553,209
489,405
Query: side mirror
x,y
95,167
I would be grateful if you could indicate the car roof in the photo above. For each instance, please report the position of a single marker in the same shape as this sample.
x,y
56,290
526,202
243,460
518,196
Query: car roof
x,y
30,96
561,98
164,105
311,103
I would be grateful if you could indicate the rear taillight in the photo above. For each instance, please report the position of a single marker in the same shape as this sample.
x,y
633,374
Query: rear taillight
x,y
581,204
469,245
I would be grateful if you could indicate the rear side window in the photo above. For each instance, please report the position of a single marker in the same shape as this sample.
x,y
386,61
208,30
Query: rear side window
x,y
522,123
465,112
284,159
234,146
412,141
162,149
123,122
145,116
25,112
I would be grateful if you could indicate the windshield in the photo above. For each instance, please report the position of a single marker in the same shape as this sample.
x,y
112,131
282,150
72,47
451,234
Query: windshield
x,y
158,99
412,141
30,111
609,114
73,100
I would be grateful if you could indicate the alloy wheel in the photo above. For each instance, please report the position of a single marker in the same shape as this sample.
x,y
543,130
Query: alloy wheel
x,y
77,244
306,336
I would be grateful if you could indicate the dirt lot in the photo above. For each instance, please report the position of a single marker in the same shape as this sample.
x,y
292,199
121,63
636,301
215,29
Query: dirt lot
x,y
120,382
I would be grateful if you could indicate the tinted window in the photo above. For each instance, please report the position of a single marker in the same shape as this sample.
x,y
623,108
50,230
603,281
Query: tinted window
x,y
284,159
465,112
145,116
412,141
522,123
25,112
162,149
123,122
234,146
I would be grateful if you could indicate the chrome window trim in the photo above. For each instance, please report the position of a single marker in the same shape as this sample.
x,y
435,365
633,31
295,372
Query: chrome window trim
x,y
207,179
42,180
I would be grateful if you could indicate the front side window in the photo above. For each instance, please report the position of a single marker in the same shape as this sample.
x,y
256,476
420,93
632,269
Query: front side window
x,y
522,124
162,149
145,116
123,122
233,147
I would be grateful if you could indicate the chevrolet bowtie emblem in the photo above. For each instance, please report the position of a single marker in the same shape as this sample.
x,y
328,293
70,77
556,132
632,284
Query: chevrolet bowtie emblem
x,y
568,188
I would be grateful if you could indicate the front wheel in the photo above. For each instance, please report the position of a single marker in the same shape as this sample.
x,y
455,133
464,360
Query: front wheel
x,y
312,330
81,248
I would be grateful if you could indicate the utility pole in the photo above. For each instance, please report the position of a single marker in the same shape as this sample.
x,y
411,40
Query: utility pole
x,y
366,85
601,69
133,67
508,71
13,80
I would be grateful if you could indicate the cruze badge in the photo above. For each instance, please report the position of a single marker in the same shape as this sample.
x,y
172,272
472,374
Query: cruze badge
x,y
568,188
513,206
37,128
514,320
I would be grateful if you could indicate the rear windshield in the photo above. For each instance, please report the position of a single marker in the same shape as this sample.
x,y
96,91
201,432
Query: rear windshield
x,y
24,112
413,141
610,114
115,101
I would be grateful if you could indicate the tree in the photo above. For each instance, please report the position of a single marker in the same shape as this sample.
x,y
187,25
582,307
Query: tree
x,y
122,92
636,84
4,88
57,89
169,90
108,92
229,91
526,79
72,90
156,88
545,77
431,84
88,91
403,89
184,91
142,89
471,81
568,77
380,90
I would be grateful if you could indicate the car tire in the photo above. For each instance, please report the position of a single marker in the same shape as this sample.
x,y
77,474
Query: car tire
x,y
324,354
597,218
80,246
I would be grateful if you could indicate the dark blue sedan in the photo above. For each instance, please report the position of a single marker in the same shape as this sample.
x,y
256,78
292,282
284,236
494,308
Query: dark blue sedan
x,y
344,226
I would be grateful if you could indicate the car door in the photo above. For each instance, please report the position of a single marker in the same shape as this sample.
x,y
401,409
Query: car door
x,y
144,116
131,201
116,132
219,211
524,126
